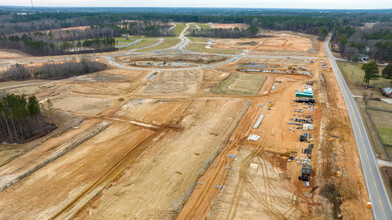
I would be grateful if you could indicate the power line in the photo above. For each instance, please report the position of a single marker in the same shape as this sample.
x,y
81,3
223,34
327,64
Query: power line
x,y
32,5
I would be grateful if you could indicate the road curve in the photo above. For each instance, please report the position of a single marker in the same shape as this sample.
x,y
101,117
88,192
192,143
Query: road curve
x,y
381,206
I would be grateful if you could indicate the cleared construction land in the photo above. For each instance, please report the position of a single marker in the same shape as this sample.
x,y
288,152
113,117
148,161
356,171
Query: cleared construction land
x,y
240,84
167,135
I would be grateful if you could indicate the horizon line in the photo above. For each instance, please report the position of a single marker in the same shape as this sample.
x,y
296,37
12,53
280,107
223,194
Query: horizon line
x,y
217,7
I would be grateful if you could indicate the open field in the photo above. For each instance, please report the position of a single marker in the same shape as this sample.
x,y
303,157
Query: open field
x,y
269,43
201,47
179,28
167,43
141,44
383,122
198,39
165,135
229,26
240,84
203,26
354,75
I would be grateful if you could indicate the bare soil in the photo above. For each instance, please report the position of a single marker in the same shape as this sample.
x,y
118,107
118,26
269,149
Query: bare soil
x,y
229,26
166,146
271,43
198,59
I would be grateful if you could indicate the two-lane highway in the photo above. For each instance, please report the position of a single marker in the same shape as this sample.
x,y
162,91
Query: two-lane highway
x,y
381,206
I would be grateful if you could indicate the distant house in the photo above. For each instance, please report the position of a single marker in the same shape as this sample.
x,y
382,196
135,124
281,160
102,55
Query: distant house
x,y
21,13
363,57
387,92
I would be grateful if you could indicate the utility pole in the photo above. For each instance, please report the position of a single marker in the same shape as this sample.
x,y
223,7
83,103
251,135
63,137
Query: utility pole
x,y
32,5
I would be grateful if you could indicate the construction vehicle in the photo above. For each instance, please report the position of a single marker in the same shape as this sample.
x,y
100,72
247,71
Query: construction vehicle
x,y
269,104
292,68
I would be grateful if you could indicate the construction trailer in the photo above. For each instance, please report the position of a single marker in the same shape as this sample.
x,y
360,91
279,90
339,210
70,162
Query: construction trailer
x,y
307,127
302,94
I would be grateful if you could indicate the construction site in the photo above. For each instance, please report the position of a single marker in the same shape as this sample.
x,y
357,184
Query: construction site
x,y
175,133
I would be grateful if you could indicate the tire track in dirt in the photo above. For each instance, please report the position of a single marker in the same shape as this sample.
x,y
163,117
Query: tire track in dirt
x,y
93,192
62,150
200,201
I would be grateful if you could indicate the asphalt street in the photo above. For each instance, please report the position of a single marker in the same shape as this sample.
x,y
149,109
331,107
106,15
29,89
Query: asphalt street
x,y
381,206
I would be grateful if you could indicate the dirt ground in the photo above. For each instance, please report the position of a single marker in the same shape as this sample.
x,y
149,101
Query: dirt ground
x,y
157,185
55,177
11,54
264,184
271,43
169,147
228,26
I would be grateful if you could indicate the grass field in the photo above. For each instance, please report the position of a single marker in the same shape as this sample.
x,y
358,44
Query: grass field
x,y
141,44
179,28
203,26
383,122
167,43
132,38
240,84
197,39
198,47
353,74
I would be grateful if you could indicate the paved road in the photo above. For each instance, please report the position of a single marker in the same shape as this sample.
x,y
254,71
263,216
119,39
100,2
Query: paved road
x,y
381,206
156,44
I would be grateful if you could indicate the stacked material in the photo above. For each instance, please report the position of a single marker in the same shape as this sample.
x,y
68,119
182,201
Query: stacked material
x,y
253,137
151,76
307,127
257,124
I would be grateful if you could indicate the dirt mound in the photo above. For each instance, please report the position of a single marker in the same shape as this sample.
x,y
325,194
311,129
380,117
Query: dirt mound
x,y
250,43
199,59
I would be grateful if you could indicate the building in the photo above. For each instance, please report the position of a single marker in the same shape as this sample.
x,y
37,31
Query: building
x,y
363,57
387,92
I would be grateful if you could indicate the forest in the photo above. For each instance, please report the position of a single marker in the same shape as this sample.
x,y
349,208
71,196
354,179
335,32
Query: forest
x,y
35,32
68,68
251,31
94,38
22,118
374,41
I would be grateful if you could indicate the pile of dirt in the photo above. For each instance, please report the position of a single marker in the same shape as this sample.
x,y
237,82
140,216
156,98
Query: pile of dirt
x,y
250,43
199,59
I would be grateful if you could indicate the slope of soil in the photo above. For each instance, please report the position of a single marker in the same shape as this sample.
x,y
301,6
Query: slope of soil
x,y
49,190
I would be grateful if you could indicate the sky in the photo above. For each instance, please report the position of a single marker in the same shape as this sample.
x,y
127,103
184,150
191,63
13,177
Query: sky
x,y
305,4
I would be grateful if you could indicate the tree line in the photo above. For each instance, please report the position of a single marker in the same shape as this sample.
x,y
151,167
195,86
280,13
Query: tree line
x,y
354,42
306,21
96,38
44,45
21,118
226,33
372,72
68,68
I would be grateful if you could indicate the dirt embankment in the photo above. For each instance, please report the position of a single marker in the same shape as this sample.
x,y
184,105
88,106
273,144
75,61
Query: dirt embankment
x,y
340,160
192,58
68,177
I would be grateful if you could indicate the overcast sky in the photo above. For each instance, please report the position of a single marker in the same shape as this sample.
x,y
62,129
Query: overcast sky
x,y
319,4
